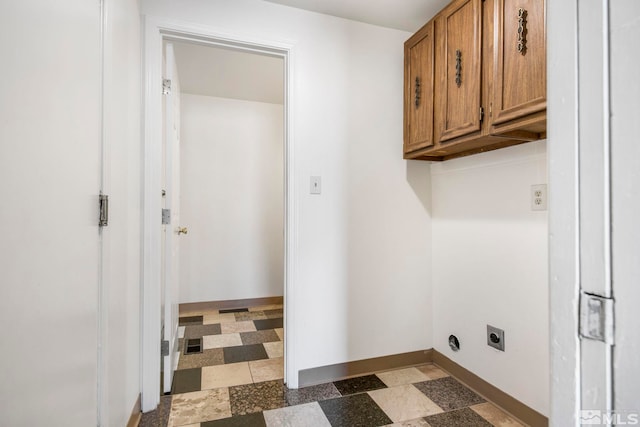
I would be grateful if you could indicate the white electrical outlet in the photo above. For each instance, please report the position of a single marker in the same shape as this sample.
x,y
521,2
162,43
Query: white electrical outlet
x,y
539,197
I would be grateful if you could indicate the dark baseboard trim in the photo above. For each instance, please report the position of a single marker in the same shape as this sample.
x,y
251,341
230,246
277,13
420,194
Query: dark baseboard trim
x,y
493,394
136,414
196,307
324,374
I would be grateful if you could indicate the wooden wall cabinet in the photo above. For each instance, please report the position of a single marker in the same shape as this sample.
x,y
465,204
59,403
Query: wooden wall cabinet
x,y
520,62
418,90
487,60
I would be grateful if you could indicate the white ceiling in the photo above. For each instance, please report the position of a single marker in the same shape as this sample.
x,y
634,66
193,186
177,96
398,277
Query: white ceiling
x,y
225,73
408,15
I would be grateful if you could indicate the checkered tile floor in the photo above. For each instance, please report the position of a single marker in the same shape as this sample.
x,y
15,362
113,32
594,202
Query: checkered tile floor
x,y
237,381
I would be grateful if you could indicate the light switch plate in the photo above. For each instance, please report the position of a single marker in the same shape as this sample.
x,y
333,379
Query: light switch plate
x,y
316,185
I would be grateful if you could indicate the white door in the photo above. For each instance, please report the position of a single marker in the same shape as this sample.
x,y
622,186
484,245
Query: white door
x,y
594,105
595,207
624,16
50,167
172,231
609,210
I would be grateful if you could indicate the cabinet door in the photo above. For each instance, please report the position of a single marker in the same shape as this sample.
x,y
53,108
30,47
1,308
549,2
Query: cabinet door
x,y
520,59
418,90
458,69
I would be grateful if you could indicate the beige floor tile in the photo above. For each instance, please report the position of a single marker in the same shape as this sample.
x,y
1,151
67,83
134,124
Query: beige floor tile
x,y
210,319
218,341
274,349
266,307
308,415
495,416
267,369
250,315
204,405
432,371
402,377
226,375
280,332
404,403
247,326
196,312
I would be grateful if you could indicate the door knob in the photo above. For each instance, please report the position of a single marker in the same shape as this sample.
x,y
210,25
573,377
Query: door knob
x,y
182,230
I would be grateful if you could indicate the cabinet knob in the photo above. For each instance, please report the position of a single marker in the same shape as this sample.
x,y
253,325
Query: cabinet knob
x,y
182,230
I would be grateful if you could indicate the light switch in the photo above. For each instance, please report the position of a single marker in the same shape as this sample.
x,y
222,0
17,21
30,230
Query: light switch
x,y
316,185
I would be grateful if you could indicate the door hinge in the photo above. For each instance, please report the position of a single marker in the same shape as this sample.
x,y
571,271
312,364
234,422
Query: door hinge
x,y
481,113
166,87
103,219
164,347
166,216
596,318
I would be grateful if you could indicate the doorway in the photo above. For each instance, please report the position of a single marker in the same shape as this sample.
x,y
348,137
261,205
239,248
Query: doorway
x,y
231,173
157,34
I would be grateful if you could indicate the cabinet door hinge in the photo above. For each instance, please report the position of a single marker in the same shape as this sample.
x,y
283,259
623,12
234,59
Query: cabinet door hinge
x,y
481,113
103,219
166,216
164,348
596,318
166,87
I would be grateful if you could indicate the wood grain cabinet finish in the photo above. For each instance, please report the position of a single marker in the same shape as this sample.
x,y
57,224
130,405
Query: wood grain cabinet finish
x,y
487,62
418,90
458,62
520,67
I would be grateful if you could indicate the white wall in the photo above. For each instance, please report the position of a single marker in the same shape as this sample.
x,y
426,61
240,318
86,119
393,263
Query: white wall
x,y
490,267
232,184
363,246
122,237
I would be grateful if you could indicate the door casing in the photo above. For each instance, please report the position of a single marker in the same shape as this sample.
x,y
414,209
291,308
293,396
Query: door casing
x,y
156,31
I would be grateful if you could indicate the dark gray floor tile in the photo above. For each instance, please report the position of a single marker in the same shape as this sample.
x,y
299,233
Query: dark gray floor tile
x,y
249,420
258,397
190,320
359,384
461,417
354,411
211,357
233,310
258,337
448,393
187,380
244,353
158,417
268,324
311,394
198,331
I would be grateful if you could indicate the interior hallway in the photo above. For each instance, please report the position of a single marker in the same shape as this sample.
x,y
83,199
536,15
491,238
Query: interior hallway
x,y
237,380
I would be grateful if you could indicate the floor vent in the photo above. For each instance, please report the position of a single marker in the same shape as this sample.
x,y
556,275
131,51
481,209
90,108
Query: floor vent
x,y
193,346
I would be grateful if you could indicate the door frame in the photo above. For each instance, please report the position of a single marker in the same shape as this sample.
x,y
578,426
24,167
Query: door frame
x,y
156,30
